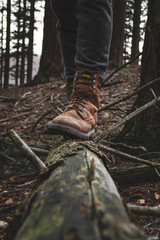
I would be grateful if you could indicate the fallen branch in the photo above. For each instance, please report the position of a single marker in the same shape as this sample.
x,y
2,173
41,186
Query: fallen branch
x,y
128,117
112,83
126,146
39,119
121,67
23,147
129,157
131,175
147,211
17,116
39,150
129,95
7,99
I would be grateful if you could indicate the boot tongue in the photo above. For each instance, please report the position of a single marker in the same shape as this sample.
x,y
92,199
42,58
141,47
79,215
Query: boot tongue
x,y
83,84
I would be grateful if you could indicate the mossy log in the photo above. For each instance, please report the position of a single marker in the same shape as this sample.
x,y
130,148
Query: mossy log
x,y
132,175
79,201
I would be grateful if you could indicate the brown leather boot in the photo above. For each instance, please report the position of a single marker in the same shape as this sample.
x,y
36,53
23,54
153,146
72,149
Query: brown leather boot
x,y
69,86
80,117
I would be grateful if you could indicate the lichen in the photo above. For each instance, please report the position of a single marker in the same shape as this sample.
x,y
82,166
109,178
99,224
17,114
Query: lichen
x,y
58,154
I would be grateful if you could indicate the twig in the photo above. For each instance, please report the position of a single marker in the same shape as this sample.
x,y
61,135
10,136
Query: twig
x,y
129,95
60,109
7,99
62,105
17,116
126,146
39,119
112,83
129,157
27,151
147,211
39,150
128,117
118,69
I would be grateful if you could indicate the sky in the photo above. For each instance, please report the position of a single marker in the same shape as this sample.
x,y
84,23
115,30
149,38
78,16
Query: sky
x,y
38,34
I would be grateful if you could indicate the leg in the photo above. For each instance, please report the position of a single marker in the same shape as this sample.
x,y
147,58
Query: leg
x,y
65,10
94,34
92,51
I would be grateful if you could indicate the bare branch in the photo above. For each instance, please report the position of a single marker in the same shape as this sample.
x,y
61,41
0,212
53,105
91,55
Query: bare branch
x,y
121,67
14,117
129,157
23,147
129,95
128,117
147,211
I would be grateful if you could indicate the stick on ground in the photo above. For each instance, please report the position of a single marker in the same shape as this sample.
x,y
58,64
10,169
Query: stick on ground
x,y
129,95
146,211
23,147
129,157
127,118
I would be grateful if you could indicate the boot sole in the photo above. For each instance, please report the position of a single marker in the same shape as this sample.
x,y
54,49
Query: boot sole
x,y
69,131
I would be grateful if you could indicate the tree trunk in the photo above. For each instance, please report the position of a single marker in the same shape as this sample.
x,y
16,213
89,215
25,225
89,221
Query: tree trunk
x,y
136,28
1,45
145,127
22,75
78,201
30,47
51,65
18,43
116,49
7,53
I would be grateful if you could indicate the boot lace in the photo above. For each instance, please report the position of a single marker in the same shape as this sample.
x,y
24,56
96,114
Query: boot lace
x,y
78,100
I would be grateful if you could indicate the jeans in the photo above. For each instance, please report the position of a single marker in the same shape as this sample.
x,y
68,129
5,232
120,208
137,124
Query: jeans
x,y
85,32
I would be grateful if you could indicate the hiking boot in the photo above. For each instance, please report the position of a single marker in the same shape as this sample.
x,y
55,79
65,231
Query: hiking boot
x,y
80,118
69,87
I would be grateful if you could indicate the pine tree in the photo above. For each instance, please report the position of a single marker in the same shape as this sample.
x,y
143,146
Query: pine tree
x,y
51,64
116,49
31,39
7,53
18,43
22,73
2,43
145,128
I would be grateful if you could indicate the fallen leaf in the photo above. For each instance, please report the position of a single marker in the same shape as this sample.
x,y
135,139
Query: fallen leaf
x,y
9,201
157,196
141,201
3,224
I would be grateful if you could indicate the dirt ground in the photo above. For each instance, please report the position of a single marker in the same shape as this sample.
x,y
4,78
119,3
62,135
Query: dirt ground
x,y
28,109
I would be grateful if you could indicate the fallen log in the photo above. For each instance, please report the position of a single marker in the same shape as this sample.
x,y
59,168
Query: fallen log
x,y
78,201
132,175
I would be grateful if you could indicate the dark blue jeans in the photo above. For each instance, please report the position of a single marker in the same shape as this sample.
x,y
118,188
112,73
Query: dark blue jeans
x,y
85,33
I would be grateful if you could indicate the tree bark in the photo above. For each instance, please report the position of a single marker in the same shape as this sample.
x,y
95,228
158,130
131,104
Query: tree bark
x,y
18,43
51,65
78,201
30,46
7,53
22,74
116,49
132,175
136,28
1,46
145,127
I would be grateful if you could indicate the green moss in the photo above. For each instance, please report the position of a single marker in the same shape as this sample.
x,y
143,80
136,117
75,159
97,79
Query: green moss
x,y
58,154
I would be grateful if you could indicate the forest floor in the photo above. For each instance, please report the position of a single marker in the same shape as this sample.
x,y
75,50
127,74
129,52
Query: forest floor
x,y
28,109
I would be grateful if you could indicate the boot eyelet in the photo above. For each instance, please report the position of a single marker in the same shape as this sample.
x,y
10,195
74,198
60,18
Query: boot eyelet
x,y
94,87
94,81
